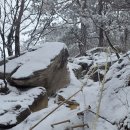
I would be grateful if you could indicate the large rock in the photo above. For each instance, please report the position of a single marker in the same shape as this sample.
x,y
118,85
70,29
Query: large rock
x,y
46,66
115,105
18,105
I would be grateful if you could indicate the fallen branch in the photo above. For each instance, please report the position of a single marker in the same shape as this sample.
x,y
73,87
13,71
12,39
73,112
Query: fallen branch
x,y
58,123
81,125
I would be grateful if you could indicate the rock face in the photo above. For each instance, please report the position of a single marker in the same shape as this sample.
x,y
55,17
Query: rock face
x,y
40,102
46,66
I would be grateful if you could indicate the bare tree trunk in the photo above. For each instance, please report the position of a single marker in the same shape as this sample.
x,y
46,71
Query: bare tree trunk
x,y
11,33
17,31
101,36
17,42
4,76
9,44
125,39
82,45
5,82
2,34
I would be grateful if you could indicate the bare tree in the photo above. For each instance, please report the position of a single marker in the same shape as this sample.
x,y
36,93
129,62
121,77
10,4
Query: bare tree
x,y
17,30
2,32
11,23
10,36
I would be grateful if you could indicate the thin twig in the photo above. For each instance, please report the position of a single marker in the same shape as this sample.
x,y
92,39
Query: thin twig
x,y
101,117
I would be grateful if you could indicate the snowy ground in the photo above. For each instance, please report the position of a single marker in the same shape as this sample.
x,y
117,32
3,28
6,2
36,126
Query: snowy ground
x,y
89,96
15,102
114,110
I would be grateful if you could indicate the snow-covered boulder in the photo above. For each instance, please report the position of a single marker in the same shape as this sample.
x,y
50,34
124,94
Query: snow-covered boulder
x,y
115,105
18,105
94,62
45,66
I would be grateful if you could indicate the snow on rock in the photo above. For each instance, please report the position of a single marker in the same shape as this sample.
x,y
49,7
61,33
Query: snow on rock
x,y
98,58
115,104
17,105
34,60
45,66
37,60
94,61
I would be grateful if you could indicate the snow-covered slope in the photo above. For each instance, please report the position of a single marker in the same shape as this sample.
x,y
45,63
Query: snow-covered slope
x,y
114,111
116,96
87,97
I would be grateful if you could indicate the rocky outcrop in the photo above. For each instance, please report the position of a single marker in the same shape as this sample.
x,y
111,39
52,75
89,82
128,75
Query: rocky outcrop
x,y
52,78
18,105
116,94
46,66
94,63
